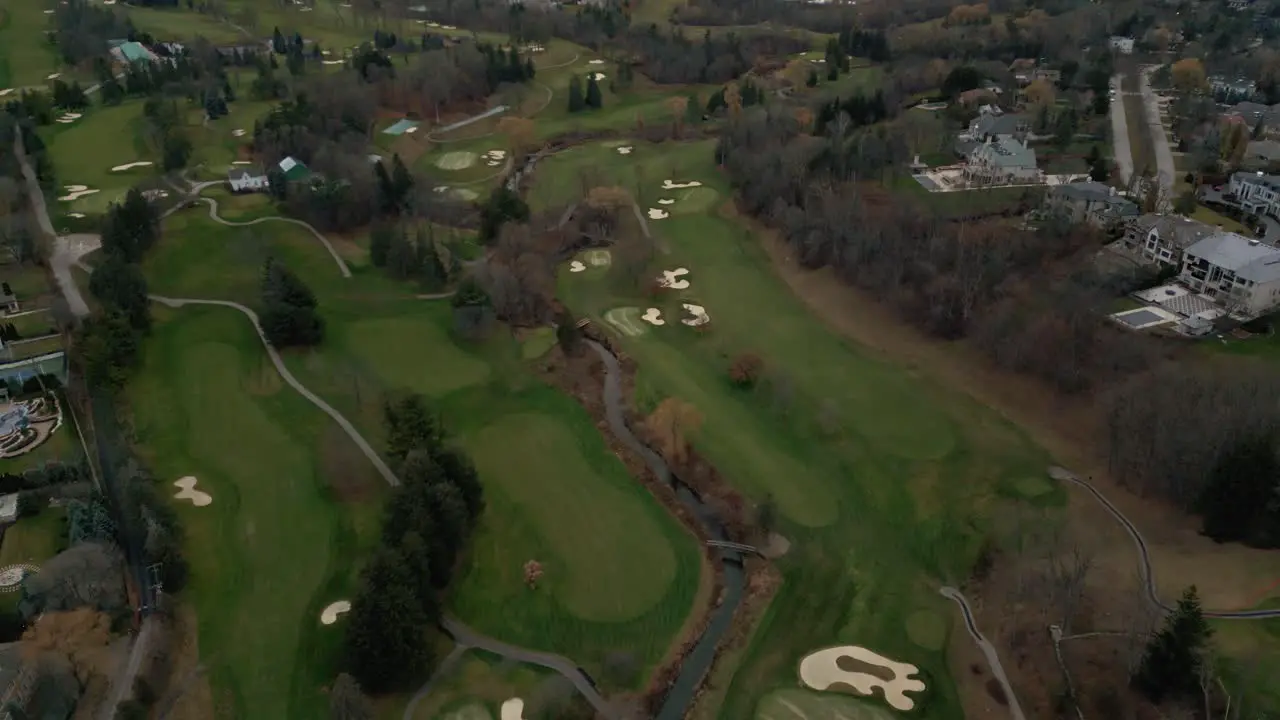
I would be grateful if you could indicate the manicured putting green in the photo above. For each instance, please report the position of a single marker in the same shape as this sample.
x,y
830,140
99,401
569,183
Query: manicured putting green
x,y
607,559
473,711
456,160
927,629
416,354
803,705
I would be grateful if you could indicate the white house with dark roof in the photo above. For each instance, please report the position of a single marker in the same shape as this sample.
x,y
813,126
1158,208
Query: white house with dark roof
x,y
1099,205
1002,162
247,180
1164,238
1256,193
1241,274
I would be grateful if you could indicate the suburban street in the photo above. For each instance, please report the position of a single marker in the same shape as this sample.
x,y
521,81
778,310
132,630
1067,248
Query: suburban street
x,y
1122,153
1165,168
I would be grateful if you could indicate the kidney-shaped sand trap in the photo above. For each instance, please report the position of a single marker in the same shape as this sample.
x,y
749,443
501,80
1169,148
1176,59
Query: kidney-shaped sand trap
x,y
653,316
132,165
512,709
699,313
456,160
188,491
821,670
668,185
658,214
330,614
576,266
670,279
625,150
75,192
666,201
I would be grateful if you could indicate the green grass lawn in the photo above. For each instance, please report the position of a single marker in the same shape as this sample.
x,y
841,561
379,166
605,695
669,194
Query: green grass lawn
x,y
215,144
1209,216
277,543
85,151
551,481
26,57
34,539
478,685
883,480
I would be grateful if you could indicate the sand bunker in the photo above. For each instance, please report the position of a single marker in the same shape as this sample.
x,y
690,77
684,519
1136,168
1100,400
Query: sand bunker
x,y
598,76
48,12
668,185
330,62
433,24
821,670
71,116
576,266
466,194
670,279
410,130
625,150
241,162
54,76
512,709
653,316
5,91
456,160
658,214
130,166
595,62
75,192
75,215
448,27
330,614
666,201
496,154
238,132
188,491
493,163
699,313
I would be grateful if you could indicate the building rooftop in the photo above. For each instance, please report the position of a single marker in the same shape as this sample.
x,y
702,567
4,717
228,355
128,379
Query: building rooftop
x,y
1249,259
1179,231
993,124
1258,178
243,173
1006,152
135,52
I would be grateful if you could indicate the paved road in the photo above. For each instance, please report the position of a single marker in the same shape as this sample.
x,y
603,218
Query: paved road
x,y
1122,153
122,685
1165,168
1144,558
213,214
993,658
293,382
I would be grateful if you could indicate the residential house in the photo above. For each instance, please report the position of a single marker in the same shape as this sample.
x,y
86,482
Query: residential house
x,y
8,301
247,180
999,125
1256,193
1091,202
1261,155
1263,119
1243,275
1044,72
1006,161
1023,70
293,169
976,96
1122,45
1164,238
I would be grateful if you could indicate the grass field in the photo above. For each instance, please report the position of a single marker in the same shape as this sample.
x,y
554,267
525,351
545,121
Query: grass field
x,y
541,503
35,539
26,58
883,480
276,545
476,688
85,151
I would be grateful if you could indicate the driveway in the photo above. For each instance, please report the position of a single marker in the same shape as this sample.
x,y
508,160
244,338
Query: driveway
x,y
1120,132
1165,168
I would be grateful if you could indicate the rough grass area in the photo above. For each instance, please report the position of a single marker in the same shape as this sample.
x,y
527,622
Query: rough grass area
x,y
396,347
478,685
882,480
275,546
809,705
26,58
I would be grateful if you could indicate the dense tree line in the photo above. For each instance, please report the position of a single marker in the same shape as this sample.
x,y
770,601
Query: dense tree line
x,y
1204,436
1175,663
426,524
82,30
950,279
411,252
109,342
17,224
289,317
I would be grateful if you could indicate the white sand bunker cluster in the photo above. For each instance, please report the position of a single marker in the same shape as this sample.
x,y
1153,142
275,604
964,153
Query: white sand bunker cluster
x,y
697,315
576,266
658,214
330,614
187,491
822,670
11,576
494,158
456,160
653,316
75,192
625,150
512,709
672,279
67,117
598,76
132,165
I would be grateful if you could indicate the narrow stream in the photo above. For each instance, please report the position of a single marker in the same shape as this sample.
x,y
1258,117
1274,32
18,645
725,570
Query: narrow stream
x,y
698,661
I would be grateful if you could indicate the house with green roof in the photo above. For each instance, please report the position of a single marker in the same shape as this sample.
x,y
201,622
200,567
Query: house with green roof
x,y
130,52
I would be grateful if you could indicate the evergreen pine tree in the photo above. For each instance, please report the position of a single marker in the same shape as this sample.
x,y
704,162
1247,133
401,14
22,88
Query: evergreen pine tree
x,y
277,41
1171,664
1239,501
693,110
387,200
576,101
386,637
594,99
813,78
401,180
380,242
